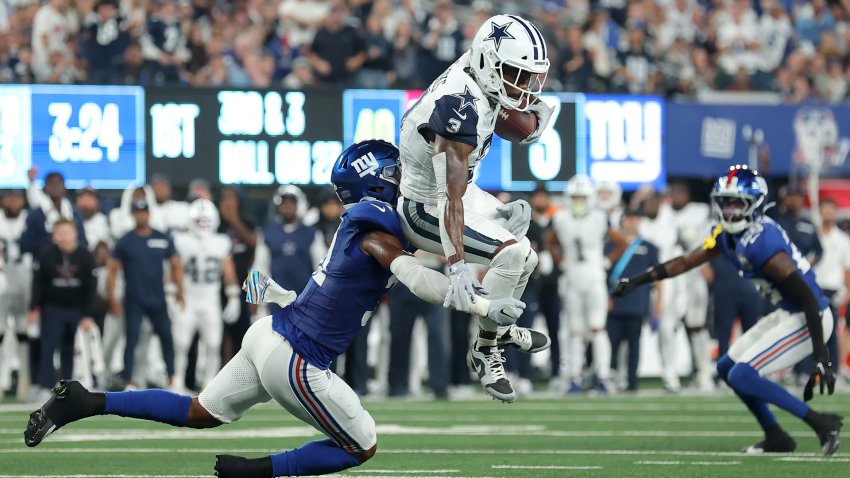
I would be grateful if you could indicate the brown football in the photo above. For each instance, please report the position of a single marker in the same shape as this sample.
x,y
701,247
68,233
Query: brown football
x,y
515,126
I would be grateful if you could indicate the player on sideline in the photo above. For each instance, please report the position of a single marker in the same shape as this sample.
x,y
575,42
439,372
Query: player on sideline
x,y
286,356
443,137
760,249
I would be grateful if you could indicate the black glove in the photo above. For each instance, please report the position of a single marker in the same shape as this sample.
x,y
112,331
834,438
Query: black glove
x,y
623,288
823,374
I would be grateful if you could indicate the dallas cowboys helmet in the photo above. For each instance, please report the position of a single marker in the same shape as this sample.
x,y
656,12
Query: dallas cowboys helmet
x,y
203,217
369,169
739,198
509,60
579,194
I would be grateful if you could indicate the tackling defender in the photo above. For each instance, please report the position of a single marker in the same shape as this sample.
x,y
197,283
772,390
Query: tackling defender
x,y
443,137
761,251
287,356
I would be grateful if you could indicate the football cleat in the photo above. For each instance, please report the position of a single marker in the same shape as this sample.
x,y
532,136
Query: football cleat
x,y
489,368
775,442
828,428
523,339
70,402
575,388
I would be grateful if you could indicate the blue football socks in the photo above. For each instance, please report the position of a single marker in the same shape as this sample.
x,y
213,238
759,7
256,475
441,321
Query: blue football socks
x,y
756,391
154,404
315,458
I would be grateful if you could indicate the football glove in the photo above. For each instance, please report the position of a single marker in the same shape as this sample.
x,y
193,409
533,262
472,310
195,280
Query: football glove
x,y
822,374
518,217
463,287
544,113
505,311
231,311
623,288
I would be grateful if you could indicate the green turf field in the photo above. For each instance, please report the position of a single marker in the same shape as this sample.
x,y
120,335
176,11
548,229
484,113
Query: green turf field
x,y
621,436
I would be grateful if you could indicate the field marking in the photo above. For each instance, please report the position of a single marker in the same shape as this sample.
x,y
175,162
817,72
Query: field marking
x,y
426,451
814,458
401,471
678,463
104,476
545,467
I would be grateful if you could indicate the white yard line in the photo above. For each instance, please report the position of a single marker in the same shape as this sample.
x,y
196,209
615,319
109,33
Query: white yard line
x,y
404,472
679,463
544,467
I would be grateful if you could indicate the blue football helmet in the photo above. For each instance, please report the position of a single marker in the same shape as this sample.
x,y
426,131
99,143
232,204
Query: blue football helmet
x,y
368,169
739,198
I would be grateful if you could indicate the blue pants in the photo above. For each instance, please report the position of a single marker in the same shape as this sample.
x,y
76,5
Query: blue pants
x,y
731,304
405,308
58,327
133,314
550,307
459,323
626,328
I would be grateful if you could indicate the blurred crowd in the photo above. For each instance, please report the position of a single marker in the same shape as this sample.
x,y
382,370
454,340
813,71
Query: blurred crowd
x,y
66,258
796,48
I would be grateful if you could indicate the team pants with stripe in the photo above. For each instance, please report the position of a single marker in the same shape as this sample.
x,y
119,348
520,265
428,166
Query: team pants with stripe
x,y
267,368
777,341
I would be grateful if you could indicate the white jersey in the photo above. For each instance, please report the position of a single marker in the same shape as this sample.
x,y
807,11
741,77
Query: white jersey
x,y
582,241
202,258
693,224
97,230
18,267
659,232
454,107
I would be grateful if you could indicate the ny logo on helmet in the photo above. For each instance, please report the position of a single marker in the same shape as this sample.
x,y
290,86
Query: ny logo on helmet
x,y
366,165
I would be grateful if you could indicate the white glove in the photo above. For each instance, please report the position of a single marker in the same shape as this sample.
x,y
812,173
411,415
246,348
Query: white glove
x,y
463,287
518,215
232,311
544,113
505,311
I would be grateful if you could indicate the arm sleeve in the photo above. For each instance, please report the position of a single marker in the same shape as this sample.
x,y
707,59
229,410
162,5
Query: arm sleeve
x,y
427,284
35,196
795,287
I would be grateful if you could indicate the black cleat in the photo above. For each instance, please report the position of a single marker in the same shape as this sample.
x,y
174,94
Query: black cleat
x,y
488,367
70,402
523,339
777,442
828,428
230,466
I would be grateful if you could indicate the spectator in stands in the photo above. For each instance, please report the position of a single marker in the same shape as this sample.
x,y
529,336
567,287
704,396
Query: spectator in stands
x,y
46,210
243,240
405,310
51,28
775,30
94,222
377,70
103,41
63,295
338,50
576,64
442,42
175,213
812,19
141,254
801,231
164,43
738,39
405,56
301,75
300,19
636,72
626,315
134,71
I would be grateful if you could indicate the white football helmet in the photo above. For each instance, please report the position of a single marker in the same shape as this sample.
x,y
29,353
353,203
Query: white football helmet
x,y
509,51
294,192
203,217
608,194
579,194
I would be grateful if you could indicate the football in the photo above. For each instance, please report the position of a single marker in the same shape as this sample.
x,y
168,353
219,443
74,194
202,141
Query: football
x,y
514,125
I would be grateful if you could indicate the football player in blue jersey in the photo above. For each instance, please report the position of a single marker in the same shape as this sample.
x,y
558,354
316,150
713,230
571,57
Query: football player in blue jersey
x,y
761,251
287,356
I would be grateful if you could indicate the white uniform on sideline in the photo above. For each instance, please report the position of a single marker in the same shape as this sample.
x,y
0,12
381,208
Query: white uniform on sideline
x,y
582,232
203,253
14,301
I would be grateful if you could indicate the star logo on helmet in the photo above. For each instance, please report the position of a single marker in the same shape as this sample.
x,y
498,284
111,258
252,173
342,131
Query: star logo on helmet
x,y
499,33
466,99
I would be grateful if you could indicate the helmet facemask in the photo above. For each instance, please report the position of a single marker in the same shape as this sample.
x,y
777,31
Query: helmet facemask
x,y
519,86
736,212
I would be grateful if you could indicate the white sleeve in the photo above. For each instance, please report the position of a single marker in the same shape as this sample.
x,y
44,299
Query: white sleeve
x,y
318,250
35,196
428,284
262,255
439,162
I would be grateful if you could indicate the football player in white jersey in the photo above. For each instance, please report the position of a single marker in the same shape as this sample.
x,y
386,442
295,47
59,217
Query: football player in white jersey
x,y
17,267
581,231
206,259
692,221
443,137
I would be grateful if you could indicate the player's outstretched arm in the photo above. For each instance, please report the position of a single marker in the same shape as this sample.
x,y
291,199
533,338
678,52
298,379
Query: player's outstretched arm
x,y
671,268
428,284
452,173
784,272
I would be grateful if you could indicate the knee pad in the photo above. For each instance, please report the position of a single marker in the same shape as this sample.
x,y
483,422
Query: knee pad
x,y
513,257
724,365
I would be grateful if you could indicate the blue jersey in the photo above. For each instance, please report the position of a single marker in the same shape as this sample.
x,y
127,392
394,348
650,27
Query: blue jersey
x,y
749,252
344,292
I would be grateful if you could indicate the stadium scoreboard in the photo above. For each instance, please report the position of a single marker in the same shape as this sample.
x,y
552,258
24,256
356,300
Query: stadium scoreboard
x,y
111,137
